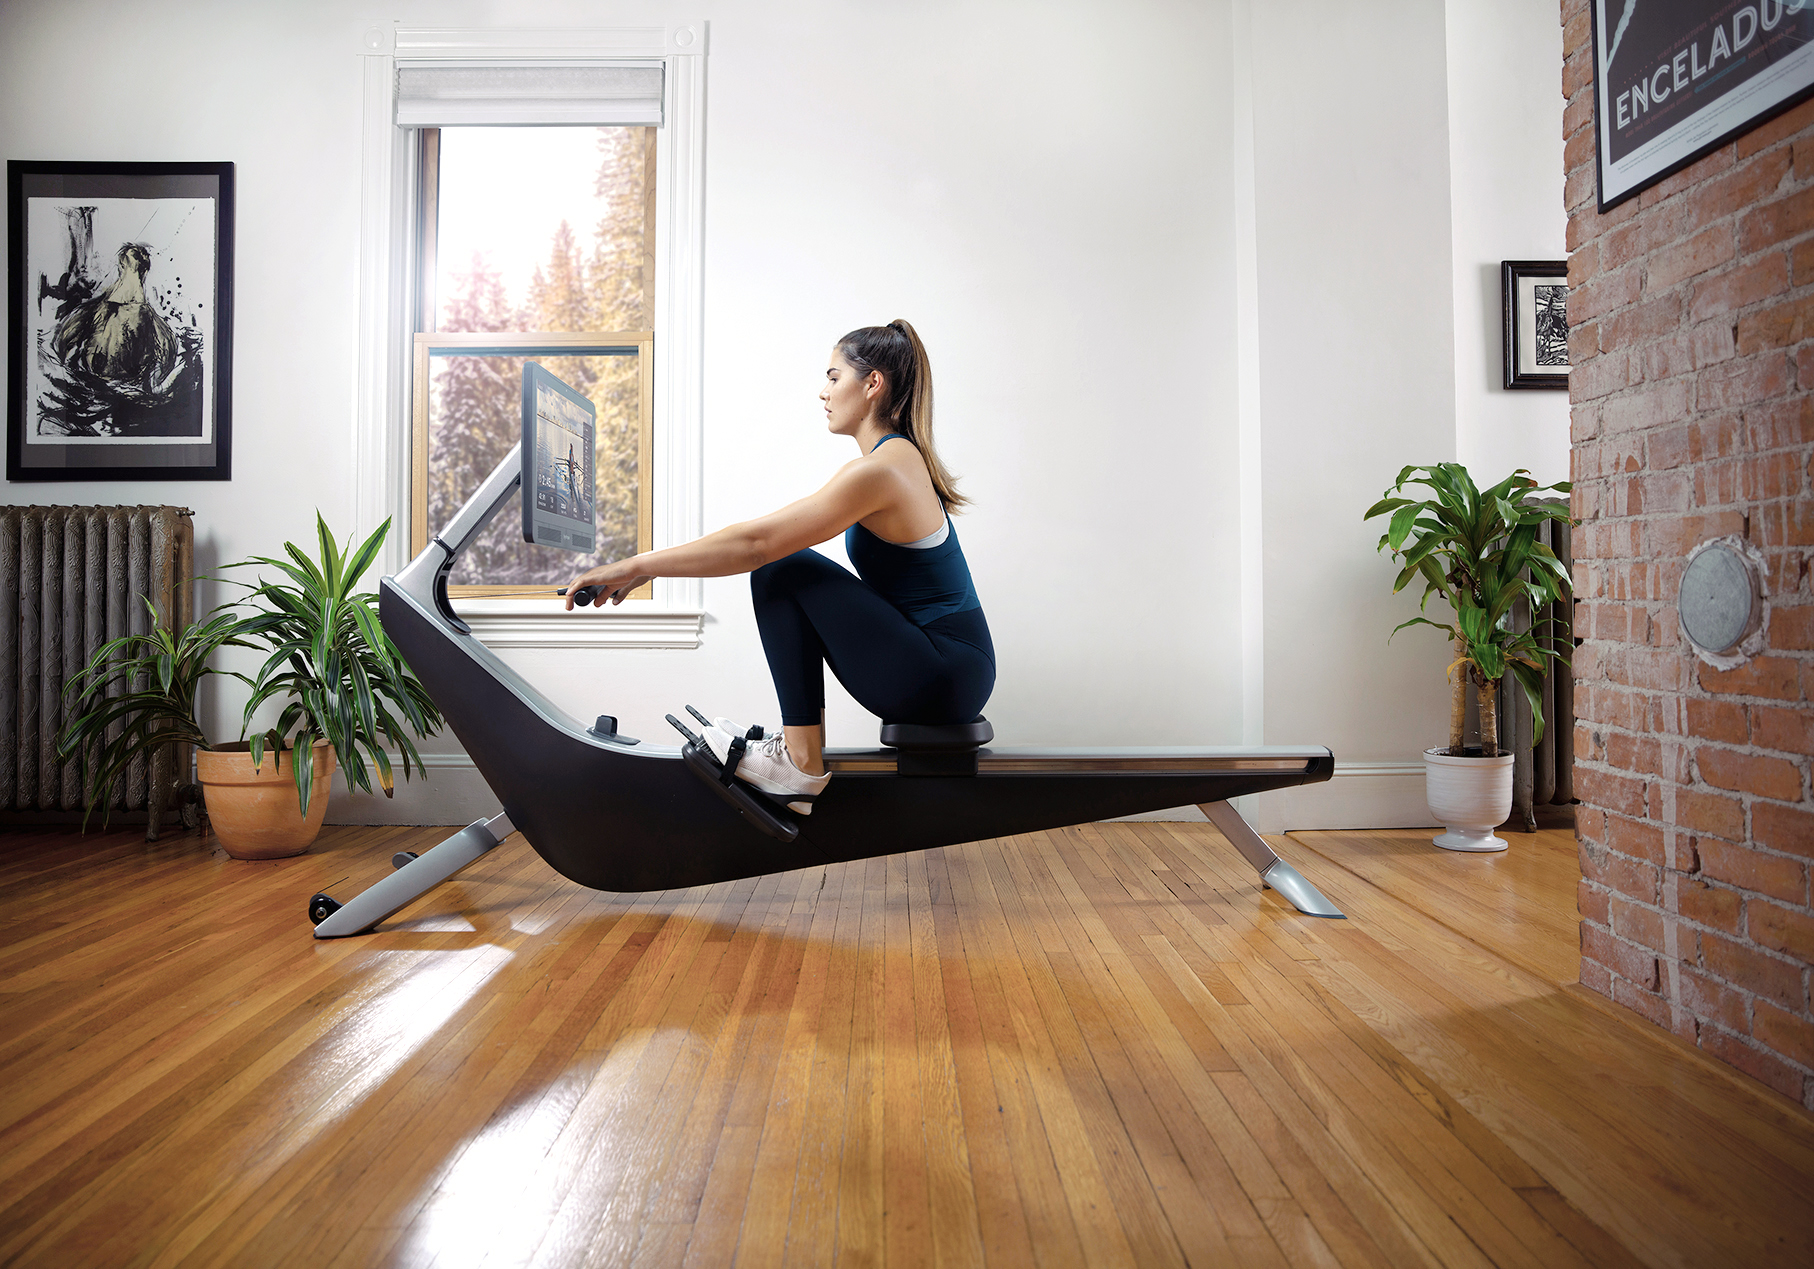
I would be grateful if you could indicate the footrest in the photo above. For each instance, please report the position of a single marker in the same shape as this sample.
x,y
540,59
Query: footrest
x,y
937,749
748,803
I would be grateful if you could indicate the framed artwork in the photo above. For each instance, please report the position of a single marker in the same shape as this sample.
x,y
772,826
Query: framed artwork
x,y
1674,79
120,339
1534,294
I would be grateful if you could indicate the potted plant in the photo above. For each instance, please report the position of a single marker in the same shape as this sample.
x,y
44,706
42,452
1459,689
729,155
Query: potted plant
x,y
1479,552
348,695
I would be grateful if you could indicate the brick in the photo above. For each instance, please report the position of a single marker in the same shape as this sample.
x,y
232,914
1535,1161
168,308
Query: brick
x,y
1791,628
1760,1065
1634,753
1787,729
1713,246
1769,476
1801,256
1649,406
1676,535
1782,929
1717,720
1591,902
1608,292
1777,326
1710,1000
1803,162
1732,189
1712,343
1716,484
1779,424
1710,813
1577,72
1691,178
1636,838
1784,1033
1754,773
1753,870
1783,524
1596,977
1739,383
1606,373
1578,149
1648,320
1611,792
1578,114
1773,677
1784,828
1776,222
1625,959
1740,287
1781,128
1751,970
1646,1003
1637,923
1713,906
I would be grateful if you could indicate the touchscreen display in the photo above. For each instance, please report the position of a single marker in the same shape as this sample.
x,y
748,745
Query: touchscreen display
x,y
559,491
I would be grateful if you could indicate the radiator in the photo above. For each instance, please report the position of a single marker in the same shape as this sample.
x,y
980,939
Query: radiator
x,y
1542,775
71,578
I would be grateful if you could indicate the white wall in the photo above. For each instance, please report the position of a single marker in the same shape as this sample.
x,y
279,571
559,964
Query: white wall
x,y
1505,163
1048,190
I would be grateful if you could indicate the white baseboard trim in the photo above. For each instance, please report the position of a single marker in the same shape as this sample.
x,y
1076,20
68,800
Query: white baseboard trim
x,y
1359,795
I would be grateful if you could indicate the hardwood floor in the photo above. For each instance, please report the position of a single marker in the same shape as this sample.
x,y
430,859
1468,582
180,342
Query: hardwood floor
x,y
1097,1046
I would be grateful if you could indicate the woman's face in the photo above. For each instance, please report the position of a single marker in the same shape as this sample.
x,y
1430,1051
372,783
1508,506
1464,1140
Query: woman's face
x,y
849,395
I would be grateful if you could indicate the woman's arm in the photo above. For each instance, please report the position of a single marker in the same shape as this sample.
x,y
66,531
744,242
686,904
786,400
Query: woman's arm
x,y
859,489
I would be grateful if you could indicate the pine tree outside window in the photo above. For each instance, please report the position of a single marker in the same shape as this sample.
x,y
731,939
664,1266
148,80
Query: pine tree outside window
x,y
536,243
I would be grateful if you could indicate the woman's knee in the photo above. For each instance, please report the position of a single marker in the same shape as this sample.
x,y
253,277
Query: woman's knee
x,y
787,575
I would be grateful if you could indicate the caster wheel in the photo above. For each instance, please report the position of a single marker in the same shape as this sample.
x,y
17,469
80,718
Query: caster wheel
x,y
321,907
403,857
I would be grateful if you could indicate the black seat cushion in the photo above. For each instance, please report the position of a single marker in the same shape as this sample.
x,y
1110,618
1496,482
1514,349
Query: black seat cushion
x,y
971,735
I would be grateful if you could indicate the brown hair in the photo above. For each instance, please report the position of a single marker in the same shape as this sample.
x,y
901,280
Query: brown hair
x,y
896,352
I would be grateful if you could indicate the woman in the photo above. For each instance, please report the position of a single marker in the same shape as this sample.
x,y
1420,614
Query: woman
x,y
906,636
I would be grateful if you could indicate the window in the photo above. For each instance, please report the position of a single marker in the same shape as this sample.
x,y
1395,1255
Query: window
x,y
457,80
535,243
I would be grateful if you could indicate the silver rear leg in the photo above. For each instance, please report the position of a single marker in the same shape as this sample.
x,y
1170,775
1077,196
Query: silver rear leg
x,y
1274,871
415,879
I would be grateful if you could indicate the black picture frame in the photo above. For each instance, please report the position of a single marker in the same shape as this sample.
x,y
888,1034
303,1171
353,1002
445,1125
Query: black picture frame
x,y
1535,319
1641,138
119,367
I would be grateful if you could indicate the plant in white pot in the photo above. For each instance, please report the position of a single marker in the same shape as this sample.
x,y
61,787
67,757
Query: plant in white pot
x,y
1479,551
348,697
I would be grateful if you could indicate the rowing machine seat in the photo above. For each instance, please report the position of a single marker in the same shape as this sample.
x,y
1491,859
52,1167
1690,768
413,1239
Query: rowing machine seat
x,y
937,749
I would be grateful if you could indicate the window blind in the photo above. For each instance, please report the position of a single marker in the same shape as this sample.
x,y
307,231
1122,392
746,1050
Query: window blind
x,y
452,94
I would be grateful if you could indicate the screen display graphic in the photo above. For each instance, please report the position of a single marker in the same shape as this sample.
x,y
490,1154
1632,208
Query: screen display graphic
x,y
559,489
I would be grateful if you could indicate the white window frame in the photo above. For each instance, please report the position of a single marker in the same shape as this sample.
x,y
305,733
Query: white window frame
x,y
387,287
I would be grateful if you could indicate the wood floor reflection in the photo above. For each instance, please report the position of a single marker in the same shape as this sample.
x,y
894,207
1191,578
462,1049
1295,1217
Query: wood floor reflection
x,y
1101,1046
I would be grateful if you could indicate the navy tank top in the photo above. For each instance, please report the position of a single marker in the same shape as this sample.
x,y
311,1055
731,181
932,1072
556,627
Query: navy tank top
x,y
925,583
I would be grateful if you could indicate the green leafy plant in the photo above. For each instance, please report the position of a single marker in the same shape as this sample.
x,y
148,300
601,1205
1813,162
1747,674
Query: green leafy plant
x,y
342,679
1478,550
136,695
328,658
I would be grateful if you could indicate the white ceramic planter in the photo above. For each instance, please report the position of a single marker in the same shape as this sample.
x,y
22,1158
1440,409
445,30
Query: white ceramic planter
x,y
1469,796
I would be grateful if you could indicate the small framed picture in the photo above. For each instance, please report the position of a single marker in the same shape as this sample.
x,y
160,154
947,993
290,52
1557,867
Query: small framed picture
x,y
120,341
1535,297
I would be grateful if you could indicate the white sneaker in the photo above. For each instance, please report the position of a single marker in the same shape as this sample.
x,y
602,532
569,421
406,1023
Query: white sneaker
x,y
767,765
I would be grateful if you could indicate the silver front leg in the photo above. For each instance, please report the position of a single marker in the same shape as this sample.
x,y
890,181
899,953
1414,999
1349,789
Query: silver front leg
x,y
1273,871
415,878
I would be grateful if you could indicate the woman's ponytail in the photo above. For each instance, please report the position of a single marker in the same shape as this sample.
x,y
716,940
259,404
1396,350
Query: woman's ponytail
x,y
896,351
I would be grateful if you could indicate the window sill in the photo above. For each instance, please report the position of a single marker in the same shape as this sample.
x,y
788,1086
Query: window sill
x,y
541,623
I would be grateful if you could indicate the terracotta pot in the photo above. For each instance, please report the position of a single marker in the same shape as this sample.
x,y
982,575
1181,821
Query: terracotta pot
x,y
255,812
1470,796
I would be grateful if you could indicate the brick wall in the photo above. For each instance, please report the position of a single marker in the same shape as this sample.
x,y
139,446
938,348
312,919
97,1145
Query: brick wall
x,y
1692,315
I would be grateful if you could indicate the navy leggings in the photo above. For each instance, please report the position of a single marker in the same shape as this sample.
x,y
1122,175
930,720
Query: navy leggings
x,y
812,612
